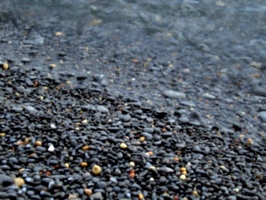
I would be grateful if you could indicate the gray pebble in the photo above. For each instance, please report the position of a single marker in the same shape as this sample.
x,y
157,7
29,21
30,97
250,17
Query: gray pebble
x,y
167,134
188,104
126,118
165,169
148,136
209,96
262,115
183,119
148,130
96,196
231,198
6,180
102,184
31,109
173,94
102,109
88,107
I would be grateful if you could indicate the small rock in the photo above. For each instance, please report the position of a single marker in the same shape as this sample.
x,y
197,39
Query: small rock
x,y
102,184
51,148
6,180
262,115
165,169
102,109
96,196
19,182
96,169
173,94
123,146
209,96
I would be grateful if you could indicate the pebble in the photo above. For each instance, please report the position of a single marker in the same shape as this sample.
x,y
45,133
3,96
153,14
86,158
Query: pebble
x,y
167,134
51,148
188,104
96,170
123,146
102,184
5,180
232,197
165,169
147,135
88,192
262,115
31,109
19,182
102,109
209,96
173,94
97,196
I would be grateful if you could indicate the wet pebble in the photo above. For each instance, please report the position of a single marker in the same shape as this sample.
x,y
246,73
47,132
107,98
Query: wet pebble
x,y
97,196
173,94
262,115
102,184
147,135
6,180
209,96
102,109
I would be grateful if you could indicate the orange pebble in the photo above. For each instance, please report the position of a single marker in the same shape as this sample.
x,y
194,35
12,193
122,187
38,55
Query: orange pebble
x,y
84,164
85,148
88,192
176,159
141,196
132,173
249,141
183,169
38,143
176,197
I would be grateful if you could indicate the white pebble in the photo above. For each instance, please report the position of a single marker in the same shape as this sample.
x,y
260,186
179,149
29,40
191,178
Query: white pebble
x,y
53,126
51,148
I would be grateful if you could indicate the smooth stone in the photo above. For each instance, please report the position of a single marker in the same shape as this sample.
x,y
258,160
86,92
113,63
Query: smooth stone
x,y
88,107
102,184
147,136
6,180
195,116
183,119
165,169
29,180
13,160
231,197
96,196
173,94
29,82
262,115
148,130
102,109
188,104
259,92
209,96
126,118
8,195
31,109
167,134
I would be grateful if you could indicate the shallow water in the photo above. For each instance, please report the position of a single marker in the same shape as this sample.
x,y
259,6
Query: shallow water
x,y
173,20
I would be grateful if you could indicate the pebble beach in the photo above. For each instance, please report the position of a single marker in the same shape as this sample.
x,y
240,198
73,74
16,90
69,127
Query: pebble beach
x,y
101,114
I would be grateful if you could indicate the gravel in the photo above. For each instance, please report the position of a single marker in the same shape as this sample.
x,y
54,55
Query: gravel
x,y
105,134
